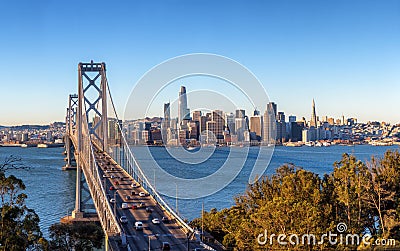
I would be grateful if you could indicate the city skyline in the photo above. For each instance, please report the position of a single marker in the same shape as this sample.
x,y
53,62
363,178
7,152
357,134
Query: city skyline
x,y
344,54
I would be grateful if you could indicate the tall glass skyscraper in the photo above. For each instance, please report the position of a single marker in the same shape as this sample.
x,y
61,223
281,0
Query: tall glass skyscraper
x,y
183,111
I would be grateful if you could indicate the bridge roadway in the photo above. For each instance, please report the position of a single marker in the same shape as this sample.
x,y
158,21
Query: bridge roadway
x,y
114,176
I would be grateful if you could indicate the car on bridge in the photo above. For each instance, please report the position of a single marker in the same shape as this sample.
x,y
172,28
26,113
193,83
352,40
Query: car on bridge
x,y
139,225
124,205
166,246
123,219
143,194
135,185
155,221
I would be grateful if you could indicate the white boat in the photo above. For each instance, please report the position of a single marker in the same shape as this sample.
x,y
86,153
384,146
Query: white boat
x,y
42,145
309,144
24,145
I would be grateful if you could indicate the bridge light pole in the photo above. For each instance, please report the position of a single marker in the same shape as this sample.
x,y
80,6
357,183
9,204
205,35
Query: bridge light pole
x,y
176,198
149,236
115,203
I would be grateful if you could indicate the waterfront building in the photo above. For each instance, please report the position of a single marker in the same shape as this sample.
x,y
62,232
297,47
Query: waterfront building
x,y
309,134
255,127
145,136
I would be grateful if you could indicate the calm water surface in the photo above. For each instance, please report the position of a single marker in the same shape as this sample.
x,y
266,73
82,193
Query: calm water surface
x,y
51,192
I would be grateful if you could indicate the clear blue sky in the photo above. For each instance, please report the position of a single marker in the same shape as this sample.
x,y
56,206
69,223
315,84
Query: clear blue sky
x,y
345,54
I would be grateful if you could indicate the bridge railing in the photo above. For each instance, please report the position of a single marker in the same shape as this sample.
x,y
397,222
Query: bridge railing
x,y
128,162
98,192
126,159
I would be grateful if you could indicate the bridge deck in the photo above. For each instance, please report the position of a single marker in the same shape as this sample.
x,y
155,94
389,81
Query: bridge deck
x,y
119,182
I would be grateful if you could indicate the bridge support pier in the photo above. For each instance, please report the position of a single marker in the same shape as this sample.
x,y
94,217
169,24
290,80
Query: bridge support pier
x,y
70,159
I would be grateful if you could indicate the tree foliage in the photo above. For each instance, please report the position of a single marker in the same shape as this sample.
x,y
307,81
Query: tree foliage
x,y
76,236
364,196
19,224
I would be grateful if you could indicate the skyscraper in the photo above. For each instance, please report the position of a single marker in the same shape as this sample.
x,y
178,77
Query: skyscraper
x,y
166,122
218,117
269,124
255,126
196,116
167,116
281,127
183,111
313,121
230,122
240,114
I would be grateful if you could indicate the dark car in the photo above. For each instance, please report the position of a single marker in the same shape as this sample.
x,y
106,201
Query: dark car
x,y
166,246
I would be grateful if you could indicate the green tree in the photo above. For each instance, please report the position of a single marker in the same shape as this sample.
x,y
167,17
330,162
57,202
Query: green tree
x,y
19,224
75,236
384,193
351,178
295,201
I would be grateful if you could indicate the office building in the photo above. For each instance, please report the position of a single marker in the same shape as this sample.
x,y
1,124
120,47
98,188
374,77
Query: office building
x,y
269,124
255,127
183,111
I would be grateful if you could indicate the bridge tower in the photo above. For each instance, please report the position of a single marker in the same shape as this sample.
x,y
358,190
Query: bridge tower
x,y
70,122
92,116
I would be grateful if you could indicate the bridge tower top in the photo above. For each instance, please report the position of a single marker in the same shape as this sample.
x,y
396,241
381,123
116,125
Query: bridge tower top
x,y
92,101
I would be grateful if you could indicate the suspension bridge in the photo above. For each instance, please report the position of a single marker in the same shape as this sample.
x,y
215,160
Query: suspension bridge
x,y
110,182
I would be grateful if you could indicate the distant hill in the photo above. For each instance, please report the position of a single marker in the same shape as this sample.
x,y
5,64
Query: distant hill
x,y
23,127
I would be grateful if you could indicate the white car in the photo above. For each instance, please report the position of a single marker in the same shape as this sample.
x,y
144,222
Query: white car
x,y
112,177
123,219
139,225
142,194
104,176
112,200
124,205
135,185
155,221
